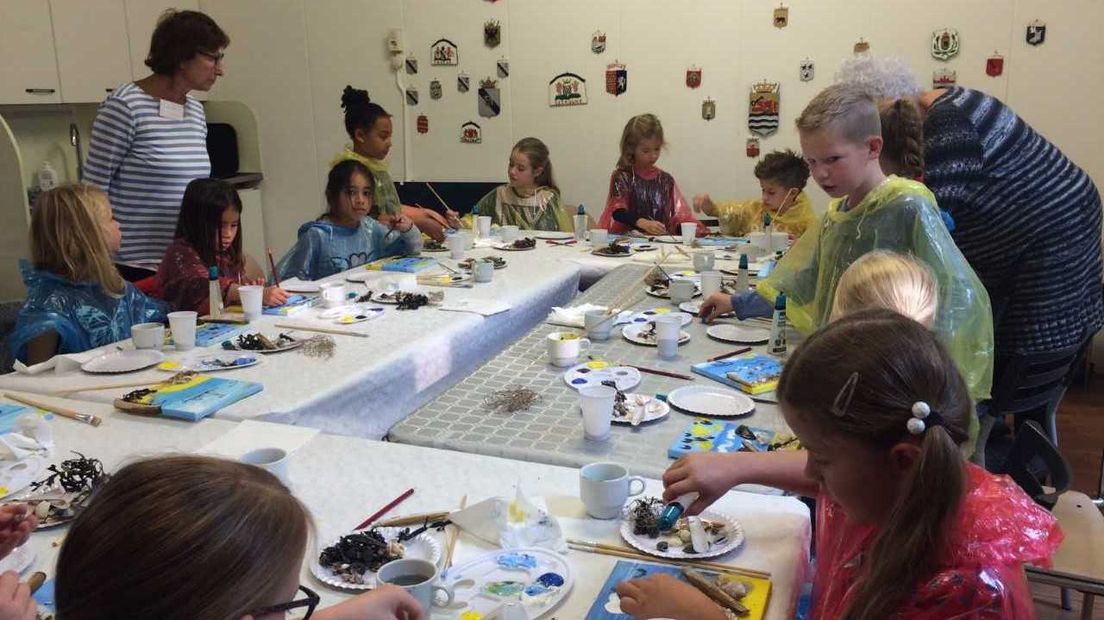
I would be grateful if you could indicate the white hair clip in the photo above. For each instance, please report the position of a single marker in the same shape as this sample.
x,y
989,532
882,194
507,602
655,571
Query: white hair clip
x,y
920,411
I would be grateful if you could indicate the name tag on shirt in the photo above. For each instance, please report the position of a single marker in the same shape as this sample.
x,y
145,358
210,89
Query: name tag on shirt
x,y
170,110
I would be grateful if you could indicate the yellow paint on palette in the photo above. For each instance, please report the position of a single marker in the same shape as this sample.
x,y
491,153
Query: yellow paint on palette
x,y
471,615
597,365
661,310
4,491
169,365
515,514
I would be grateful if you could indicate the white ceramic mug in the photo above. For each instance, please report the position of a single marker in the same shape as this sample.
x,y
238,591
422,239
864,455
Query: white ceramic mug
x,y
704,261
333,294
272,460
148,335
252,298
689,231
596,401
183,326
598,324
598,236
681,290
605,487
711,283
668,331
509,233
483,270
457,245
564,348
419,578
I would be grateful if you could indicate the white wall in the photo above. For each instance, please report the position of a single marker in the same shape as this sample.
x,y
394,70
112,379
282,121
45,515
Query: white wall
x,y
289,60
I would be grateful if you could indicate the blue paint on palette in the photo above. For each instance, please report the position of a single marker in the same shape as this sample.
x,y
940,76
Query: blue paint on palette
x,y
517,560
578,381
551,580
537,589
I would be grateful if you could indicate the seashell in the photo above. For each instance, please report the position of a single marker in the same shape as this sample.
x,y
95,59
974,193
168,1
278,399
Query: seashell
x,y
698,538
42,510
684,536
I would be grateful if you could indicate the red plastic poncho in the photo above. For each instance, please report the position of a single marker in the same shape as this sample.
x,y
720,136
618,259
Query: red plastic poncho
x,y
997,530
183,277
651,194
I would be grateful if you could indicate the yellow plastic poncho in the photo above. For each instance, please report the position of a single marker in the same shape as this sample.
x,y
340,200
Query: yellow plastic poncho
x,y
541,211
386,196
901,216
739,217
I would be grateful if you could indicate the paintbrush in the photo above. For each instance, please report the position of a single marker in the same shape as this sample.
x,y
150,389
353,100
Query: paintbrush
x,y
386,509
740,351
272,264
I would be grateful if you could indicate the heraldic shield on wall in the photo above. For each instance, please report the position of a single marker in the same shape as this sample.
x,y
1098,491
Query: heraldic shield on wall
x,y
763,108
490,98
617,79
567,89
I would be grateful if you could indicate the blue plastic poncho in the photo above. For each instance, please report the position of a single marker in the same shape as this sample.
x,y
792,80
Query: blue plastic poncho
x,y
325,248
901,216
82,314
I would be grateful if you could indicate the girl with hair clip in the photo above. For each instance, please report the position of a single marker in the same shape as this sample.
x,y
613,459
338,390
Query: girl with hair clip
x,y
76,299
906,529
208,234
369,127
345,237
141,549
531,200
641,196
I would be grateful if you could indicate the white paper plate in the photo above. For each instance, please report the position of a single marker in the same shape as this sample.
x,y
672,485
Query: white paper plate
x,y
423,547
18,475
607,254
595,372
287,346
654,409
664,292
509,247
123,361
470,581
735,537
739,334
355,313
19,560
213,362
388,297
553,236
647,316
717,402
301,287
632,331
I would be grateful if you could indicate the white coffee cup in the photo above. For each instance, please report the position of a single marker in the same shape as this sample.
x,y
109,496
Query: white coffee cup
x,y
183,326
605,487
681,290
704,261
148,335
483,270
419,578
272,460
483,226
668,331
598,324
457,245
333,294
598,236
689,230
596,401
710,283
509,233
252,298
564,348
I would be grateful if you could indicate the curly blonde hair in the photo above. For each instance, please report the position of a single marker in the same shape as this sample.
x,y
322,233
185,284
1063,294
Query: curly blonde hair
x,y
883,279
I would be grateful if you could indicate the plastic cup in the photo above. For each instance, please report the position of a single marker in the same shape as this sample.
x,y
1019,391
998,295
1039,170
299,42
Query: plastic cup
x,y
457,244
598,324
704,261
483,271
251,298
483,226
183,326
689,230
596,402
599,236
668,330
711,283
509,233
681,290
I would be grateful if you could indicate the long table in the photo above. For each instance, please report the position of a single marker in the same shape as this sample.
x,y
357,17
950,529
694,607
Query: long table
x,y
551,430
343,479
408,358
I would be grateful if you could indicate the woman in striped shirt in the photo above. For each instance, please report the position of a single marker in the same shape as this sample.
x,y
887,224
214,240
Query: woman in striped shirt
x,y
1025,216
149,139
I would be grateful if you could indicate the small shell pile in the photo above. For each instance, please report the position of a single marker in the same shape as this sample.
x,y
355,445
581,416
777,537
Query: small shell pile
x,y
358,553
696,535
260,342
522,244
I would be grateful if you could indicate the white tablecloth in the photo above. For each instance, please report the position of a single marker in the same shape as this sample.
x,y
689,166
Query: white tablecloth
x,y
370,383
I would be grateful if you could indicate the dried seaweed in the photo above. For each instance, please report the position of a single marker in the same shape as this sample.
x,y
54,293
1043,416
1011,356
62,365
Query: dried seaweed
x,y
359,552
644,514
74,475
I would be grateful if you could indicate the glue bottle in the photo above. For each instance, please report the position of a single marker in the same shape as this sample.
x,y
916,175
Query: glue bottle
x,y
580,221
674,510
767,231
742,282
214,293
777,344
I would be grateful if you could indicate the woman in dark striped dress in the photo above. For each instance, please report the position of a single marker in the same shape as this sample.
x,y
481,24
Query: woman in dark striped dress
x,y
1025,216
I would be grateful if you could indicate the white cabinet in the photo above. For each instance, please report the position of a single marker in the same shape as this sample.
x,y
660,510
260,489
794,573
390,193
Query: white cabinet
x,y
93,50
141,19
28,66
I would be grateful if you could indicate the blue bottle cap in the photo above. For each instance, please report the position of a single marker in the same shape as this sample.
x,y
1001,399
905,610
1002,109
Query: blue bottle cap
x,y
475,210
743,261
780,302
669,516
212,272
581,211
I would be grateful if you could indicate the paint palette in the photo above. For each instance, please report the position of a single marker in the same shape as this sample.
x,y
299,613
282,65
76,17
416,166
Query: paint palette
x,y
212,363
538,579
597,371
355,313
643,333
17,475
651,314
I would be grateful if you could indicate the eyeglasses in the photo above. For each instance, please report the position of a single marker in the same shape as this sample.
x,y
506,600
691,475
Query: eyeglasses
x,y
310,602
215,58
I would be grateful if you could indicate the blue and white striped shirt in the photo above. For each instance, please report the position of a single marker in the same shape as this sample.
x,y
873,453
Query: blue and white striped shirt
x,y
144,161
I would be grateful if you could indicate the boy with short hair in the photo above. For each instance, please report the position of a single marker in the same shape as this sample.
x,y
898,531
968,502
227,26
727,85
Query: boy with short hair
x,y
841,141
782,177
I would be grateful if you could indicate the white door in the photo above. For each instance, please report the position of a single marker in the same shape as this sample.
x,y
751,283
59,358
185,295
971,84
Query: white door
x,y
93,50
28,66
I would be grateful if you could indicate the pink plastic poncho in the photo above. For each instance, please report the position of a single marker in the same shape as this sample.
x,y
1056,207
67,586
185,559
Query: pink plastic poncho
x,y
998,529
651,194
